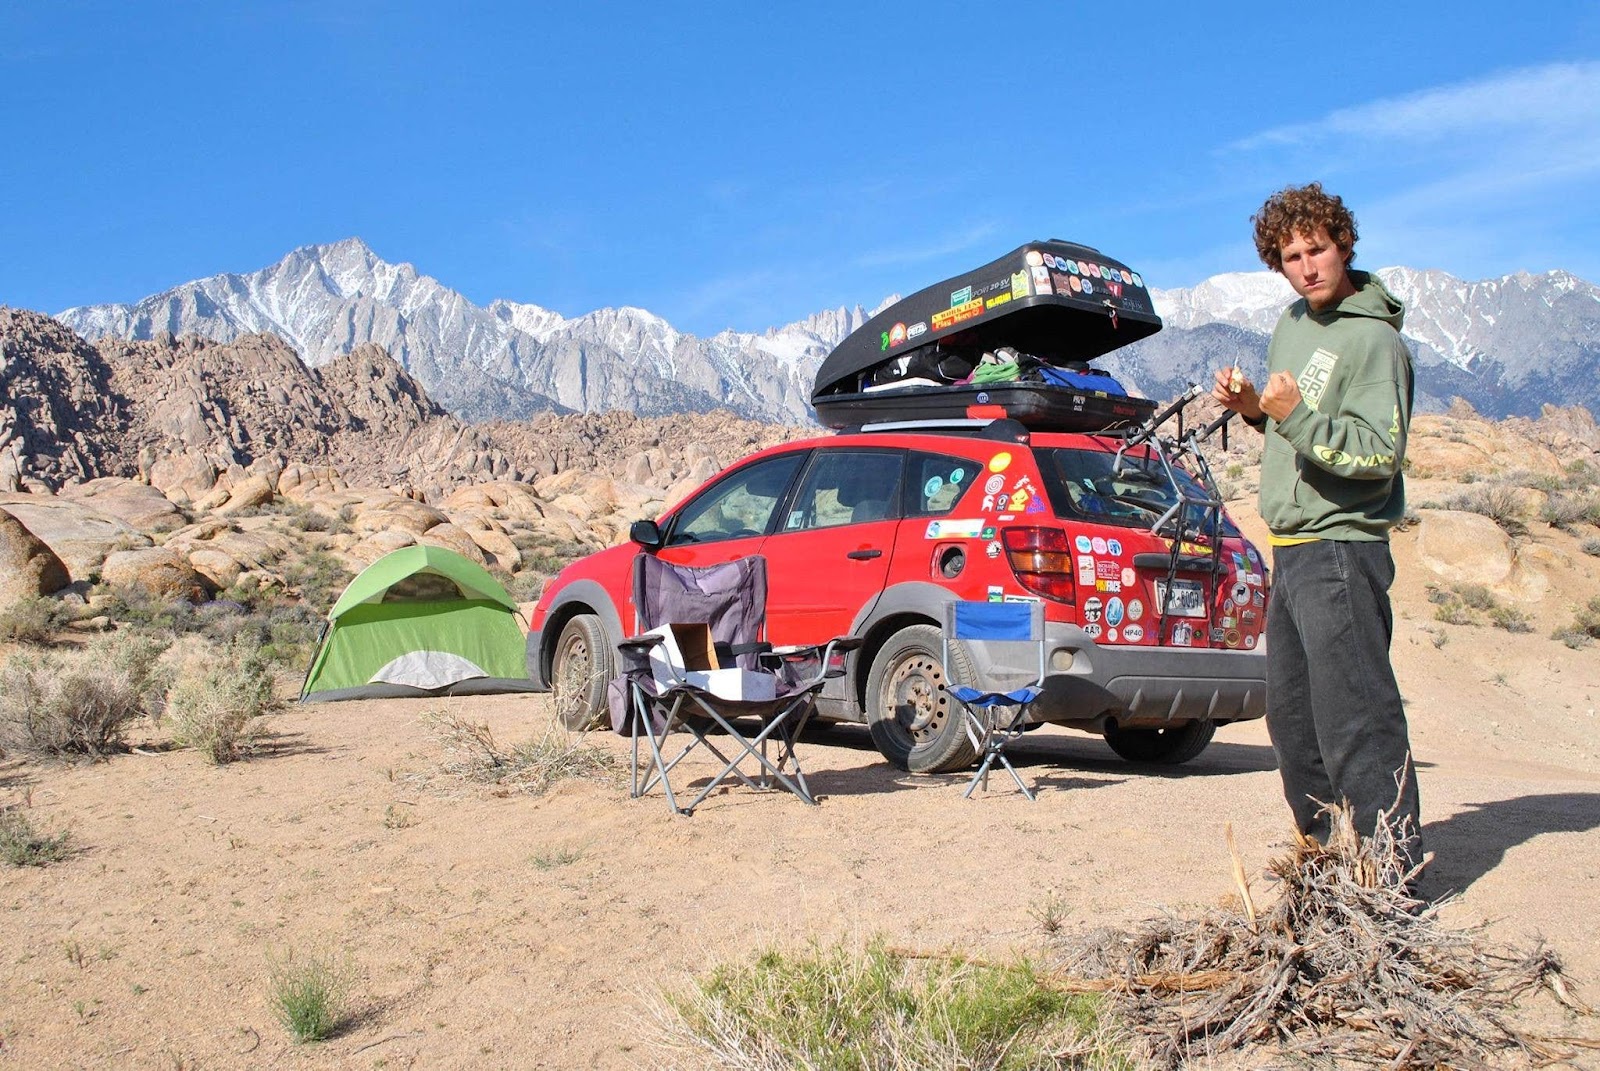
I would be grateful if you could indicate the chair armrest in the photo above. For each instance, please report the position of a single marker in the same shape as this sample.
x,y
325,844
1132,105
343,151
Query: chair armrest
x,y
824,653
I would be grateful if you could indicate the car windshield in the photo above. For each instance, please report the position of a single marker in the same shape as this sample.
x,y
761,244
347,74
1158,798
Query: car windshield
x,y
1082,483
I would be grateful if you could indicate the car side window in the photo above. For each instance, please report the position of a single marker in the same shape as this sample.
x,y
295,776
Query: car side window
x,y
846,487
936,483
738,505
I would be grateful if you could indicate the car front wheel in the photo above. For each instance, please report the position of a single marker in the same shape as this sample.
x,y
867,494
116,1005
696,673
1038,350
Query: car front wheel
x,y
915,723
1167,747
579,671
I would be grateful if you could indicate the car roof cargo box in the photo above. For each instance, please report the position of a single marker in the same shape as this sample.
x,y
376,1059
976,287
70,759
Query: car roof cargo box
x,y
1054,303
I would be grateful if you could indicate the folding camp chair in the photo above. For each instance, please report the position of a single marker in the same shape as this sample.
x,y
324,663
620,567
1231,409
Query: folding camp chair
x,y
1010,623
660,694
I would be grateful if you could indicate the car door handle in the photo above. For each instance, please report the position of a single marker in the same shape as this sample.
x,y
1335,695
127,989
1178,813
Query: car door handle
x,y
864,555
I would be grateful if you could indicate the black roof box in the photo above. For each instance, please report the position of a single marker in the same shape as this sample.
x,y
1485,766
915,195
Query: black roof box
x,y
1064,304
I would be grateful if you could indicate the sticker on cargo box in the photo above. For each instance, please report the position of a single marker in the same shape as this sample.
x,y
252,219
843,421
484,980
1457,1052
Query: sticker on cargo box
x,y
1094,269
1088,287
1061,281
917,329
957,529
957,314
997,300
960,297
1137,281
1041,280
1019,284
897,335
1033,257
1077,284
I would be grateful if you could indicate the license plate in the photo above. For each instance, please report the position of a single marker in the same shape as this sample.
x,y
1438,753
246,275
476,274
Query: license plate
x,y
1187,598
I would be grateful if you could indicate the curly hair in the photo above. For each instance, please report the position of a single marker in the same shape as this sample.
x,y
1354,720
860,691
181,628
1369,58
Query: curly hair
x,y
1301,210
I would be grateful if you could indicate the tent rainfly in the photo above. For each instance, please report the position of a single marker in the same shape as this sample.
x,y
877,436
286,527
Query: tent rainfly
x,y
419,621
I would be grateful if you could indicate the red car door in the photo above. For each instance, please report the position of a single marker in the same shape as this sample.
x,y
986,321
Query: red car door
x,y
829,554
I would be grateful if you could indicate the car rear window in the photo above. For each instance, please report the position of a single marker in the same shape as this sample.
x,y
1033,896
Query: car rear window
x,y
1081,483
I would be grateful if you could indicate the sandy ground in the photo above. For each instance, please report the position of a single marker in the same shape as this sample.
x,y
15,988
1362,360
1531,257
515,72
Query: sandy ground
x,y
490,929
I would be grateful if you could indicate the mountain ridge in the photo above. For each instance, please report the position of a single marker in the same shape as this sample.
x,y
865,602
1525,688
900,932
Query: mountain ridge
x,y
1506,345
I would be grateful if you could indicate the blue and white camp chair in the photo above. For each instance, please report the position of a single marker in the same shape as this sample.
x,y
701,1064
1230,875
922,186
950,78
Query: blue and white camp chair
x,y
1005,714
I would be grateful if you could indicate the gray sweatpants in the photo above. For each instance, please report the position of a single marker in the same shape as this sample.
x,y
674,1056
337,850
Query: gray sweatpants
x,y
1333,707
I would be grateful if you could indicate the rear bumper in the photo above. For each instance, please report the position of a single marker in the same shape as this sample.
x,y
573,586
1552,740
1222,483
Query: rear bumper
x,y
1089,684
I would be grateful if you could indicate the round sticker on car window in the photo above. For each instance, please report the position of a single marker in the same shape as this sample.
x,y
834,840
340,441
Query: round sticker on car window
x,y
957,475
932,487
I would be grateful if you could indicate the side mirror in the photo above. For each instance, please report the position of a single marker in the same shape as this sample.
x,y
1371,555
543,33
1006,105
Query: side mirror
x,y
646,533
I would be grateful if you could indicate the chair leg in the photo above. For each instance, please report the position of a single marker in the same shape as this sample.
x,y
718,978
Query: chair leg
x,y
993,743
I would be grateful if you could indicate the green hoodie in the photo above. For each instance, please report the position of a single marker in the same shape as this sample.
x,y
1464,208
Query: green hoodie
x,y
1331,469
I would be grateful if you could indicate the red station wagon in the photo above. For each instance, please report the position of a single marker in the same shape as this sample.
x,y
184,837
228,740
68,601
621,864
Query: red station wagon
x,y
1154,602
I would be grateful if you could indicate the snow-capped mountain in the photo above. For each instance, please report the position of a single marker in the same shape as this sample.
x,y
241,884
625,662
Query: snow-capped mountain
x,y
1507,345
506,360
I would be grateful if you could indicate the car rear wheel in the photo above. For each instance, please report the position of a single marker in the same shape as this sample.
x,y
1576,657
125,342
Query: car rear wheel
x,y
1168,747
914,722
580,668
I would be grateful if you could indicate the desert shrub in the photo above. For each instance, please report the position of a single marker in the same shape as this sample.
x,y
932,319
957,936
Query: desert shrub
x,y
68,705
1580,475
1587,619
1591,547
320,578
23,844
1511,619
304,518
1564,511
1453,613
1572,637
848,1009
525,586
310,995
1500,502
33,621
129,605
213,704
472,753
1476,596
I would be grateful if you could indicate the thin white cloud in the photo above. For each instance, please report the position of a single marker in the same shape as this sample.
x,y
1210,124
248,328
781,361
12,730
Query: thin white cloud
x,y
949,246
1557,96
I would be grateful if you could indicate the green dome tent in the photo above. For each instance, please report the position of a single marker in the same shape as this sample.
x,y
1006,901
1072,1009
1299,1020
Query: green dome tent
x,y
419,621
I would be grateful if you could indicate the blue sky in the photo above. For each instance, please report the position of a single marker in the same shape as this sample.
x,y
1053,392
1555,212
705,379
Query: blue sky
x,y
745,165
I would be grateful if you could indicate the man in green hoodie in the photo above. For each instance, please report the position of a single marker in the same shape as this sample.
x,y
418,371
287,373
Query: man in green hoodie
x,y
1335,410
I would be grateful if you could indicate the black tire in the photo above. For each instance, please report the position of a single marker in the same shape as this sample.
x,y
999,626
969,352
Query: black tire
x,y
1166,747
581,665
915,723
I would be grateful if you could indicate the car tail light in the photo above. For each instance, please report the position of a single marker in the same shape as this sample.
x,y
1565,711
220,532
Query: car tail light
x,y
1041,558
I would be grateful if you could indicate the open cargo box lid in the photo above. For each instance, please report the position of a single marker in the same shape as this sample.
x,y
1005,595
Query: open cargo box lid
x,y
1060,302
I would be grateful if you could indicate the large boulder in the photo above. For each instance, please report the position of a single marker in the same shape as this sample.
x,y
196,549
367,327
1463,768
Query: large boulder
x,y
160,571
395,513
140,505
28,568
1469,548
247,493
450,537
183,477
80,534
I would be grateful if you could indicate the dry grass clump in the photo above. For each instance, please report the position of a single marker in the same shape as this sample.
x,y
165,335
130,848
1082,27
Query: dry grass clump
x,y
63,705
23,844
310,995
846,1009
471,753
215,701
1345,964
1502,503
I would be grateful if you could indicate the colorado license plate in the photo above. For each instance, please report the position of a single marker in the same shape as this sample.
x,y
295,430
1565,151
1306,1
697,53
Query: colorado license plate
x,y
1186,599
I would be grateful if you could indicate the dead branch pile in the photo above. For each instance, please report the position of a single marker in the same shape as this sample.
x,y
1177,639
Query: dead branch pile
x,y
1345,963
